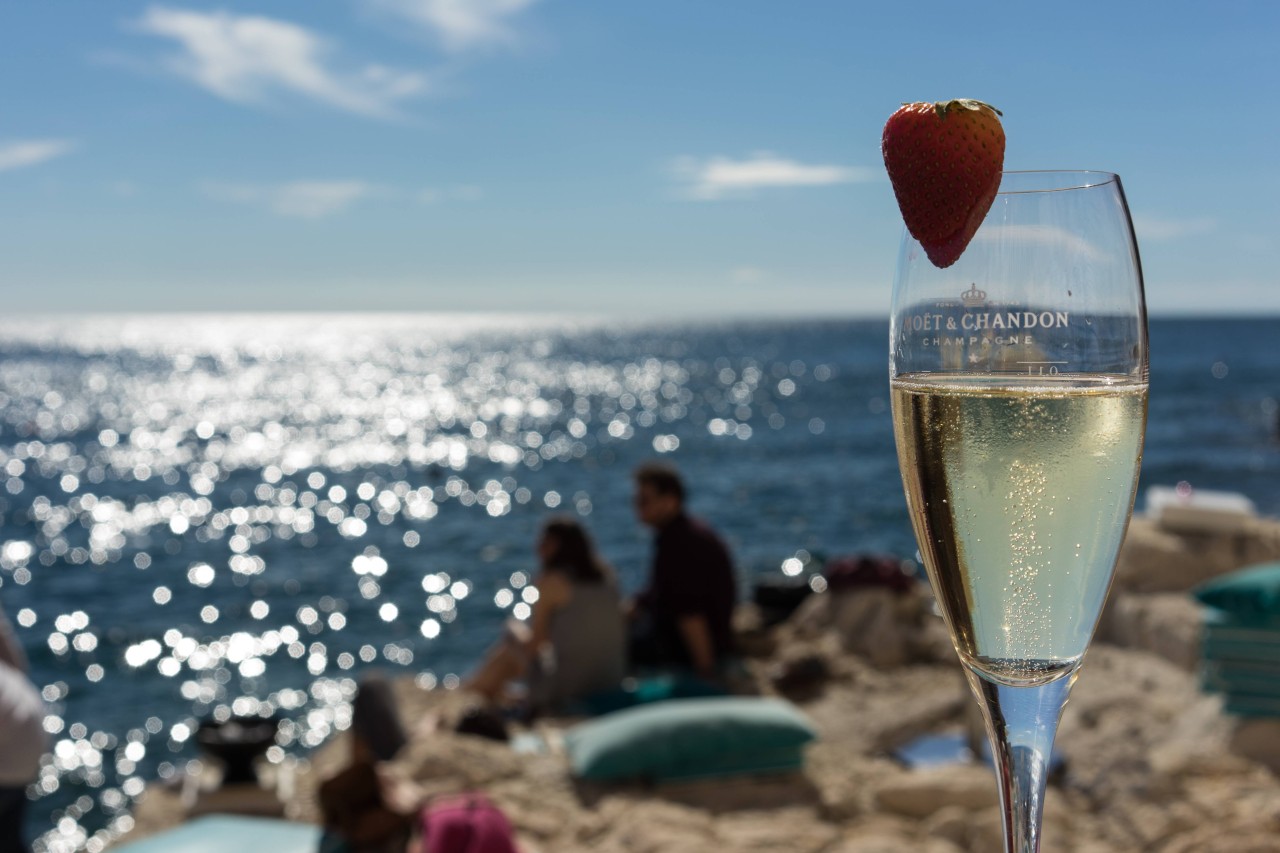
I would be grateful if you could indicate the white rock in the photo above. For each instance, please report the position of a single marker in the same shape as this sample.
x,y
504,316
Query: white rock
x,y
924,792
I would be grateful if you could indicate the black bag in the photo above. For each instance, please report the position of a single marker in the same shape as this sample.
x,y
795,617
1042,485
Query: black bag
x,y
482,722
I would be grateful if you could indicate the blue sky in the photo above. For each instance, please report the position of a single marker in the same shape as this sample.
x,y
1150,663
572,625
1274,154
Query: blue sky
x,y
679,158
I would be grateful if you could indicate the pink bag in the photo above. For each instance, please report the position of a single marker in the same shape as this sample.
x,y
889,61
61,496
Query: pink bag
x,y
467,823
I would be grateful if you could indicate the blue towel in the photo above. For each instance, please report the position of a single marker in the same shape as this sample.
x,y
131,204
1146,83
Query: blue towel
x,y
223,833
645,690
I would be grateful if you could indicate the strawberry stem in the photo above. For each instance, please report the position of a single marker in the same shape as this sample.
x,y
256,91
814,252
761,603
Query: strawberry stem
x,y
943,107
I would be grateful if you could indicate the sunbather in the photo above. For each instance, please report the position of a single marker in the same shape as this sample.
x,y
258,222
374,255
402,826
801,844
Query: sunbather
x,y
574,643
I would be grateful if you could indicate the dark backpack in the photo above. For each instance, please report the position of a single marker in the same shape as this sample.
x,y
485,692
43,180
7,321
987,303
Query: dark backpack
x,y
865,570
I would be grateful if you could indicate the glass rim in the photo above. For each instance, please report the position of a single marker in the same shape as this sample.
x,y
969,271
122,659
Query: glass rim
x,y
1068,179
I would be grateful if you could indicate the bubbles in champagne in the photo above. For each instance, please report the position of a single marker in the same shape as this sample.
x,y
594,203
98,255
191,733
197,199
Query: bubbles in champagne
x,y
1021,490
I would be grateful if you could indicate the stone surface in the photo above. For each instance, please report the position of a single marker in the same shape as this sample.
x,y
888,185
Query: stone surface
x,y
1149,762
924,792
1167,624
1155,559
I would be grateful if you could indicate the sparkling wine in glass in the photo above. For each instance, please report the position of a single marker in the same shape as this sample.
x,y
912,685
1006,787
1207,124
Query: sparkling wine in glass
x,y
1019,385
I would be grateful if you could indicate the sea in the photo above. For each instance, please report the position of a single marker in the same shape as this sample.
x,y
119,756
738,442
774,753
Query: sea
x,y
207,516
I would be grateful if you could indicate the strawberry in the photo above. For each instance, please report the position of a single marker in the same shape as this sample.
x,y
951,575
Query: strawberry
x,y
944,161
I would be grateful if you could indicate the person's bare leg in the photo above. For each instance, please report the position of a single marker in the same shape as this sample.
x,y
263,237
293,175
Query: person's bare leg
x,y
503,664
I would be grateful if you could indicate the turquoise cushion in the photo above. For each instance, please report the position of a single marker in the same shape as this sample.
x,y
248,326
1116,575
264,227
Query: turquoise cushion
x,y
1252,593
1243,678
691,738
1251,706
221,833
1222,648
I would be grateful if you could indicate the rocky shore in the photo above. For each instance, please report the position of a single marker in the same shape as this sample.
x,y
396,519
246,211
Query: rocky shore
x,y
1150,763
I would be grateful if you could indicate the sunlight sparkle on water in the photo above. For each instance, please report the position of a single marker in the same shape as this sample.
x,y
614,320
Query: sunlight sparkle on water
x,y
275,500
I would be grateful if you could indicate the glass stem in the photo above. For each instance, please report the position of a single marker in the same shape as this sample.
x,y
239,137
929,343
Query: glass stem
x,y
1021,724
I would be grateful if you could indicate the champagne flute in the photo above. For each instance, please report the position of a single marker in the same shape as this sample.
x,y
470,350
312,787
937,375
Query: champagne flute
x,y
1019,384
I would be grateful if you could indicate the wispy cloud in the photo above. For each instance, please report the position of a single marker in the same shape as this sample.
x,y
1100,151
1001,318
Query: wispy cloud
x,y
1152,228
298,199
720,177
458,25
248,59
748,275
31,152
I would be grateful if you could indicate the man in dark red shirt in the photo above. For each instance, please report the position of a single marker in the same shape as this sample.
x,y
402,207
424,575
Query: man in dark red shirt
x,y
684,617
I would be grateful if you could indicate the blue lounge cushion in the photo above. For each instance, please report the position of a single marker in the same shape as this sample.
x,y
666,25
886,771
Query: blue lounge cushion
x,y
221,833
691,738
1249,594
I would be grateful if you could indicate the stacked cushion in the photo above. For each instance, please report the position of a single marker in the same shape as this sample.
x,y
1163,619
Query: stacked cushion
x,y
1247,595
1241,642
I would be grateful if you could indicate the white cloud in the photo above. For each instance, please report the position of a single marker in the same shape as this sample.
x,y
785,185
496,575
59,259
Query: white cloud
x,y
458,25
748,275
248,58
719,177
31,152
1151,228
298,199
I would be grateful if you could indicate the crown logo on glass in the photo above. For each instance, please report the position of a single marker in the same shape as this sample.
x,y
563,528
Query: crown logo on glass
x,y
973,297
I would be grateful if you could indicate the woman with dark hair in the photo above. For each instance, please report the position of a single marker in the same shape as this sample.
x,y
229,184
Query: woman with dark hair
x,y
574,643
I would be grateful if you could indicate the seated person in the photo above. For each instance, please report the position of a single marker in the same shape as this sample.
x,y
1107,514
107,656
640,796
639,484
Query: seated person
x,y
575,642
372,806
684,617
357,816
